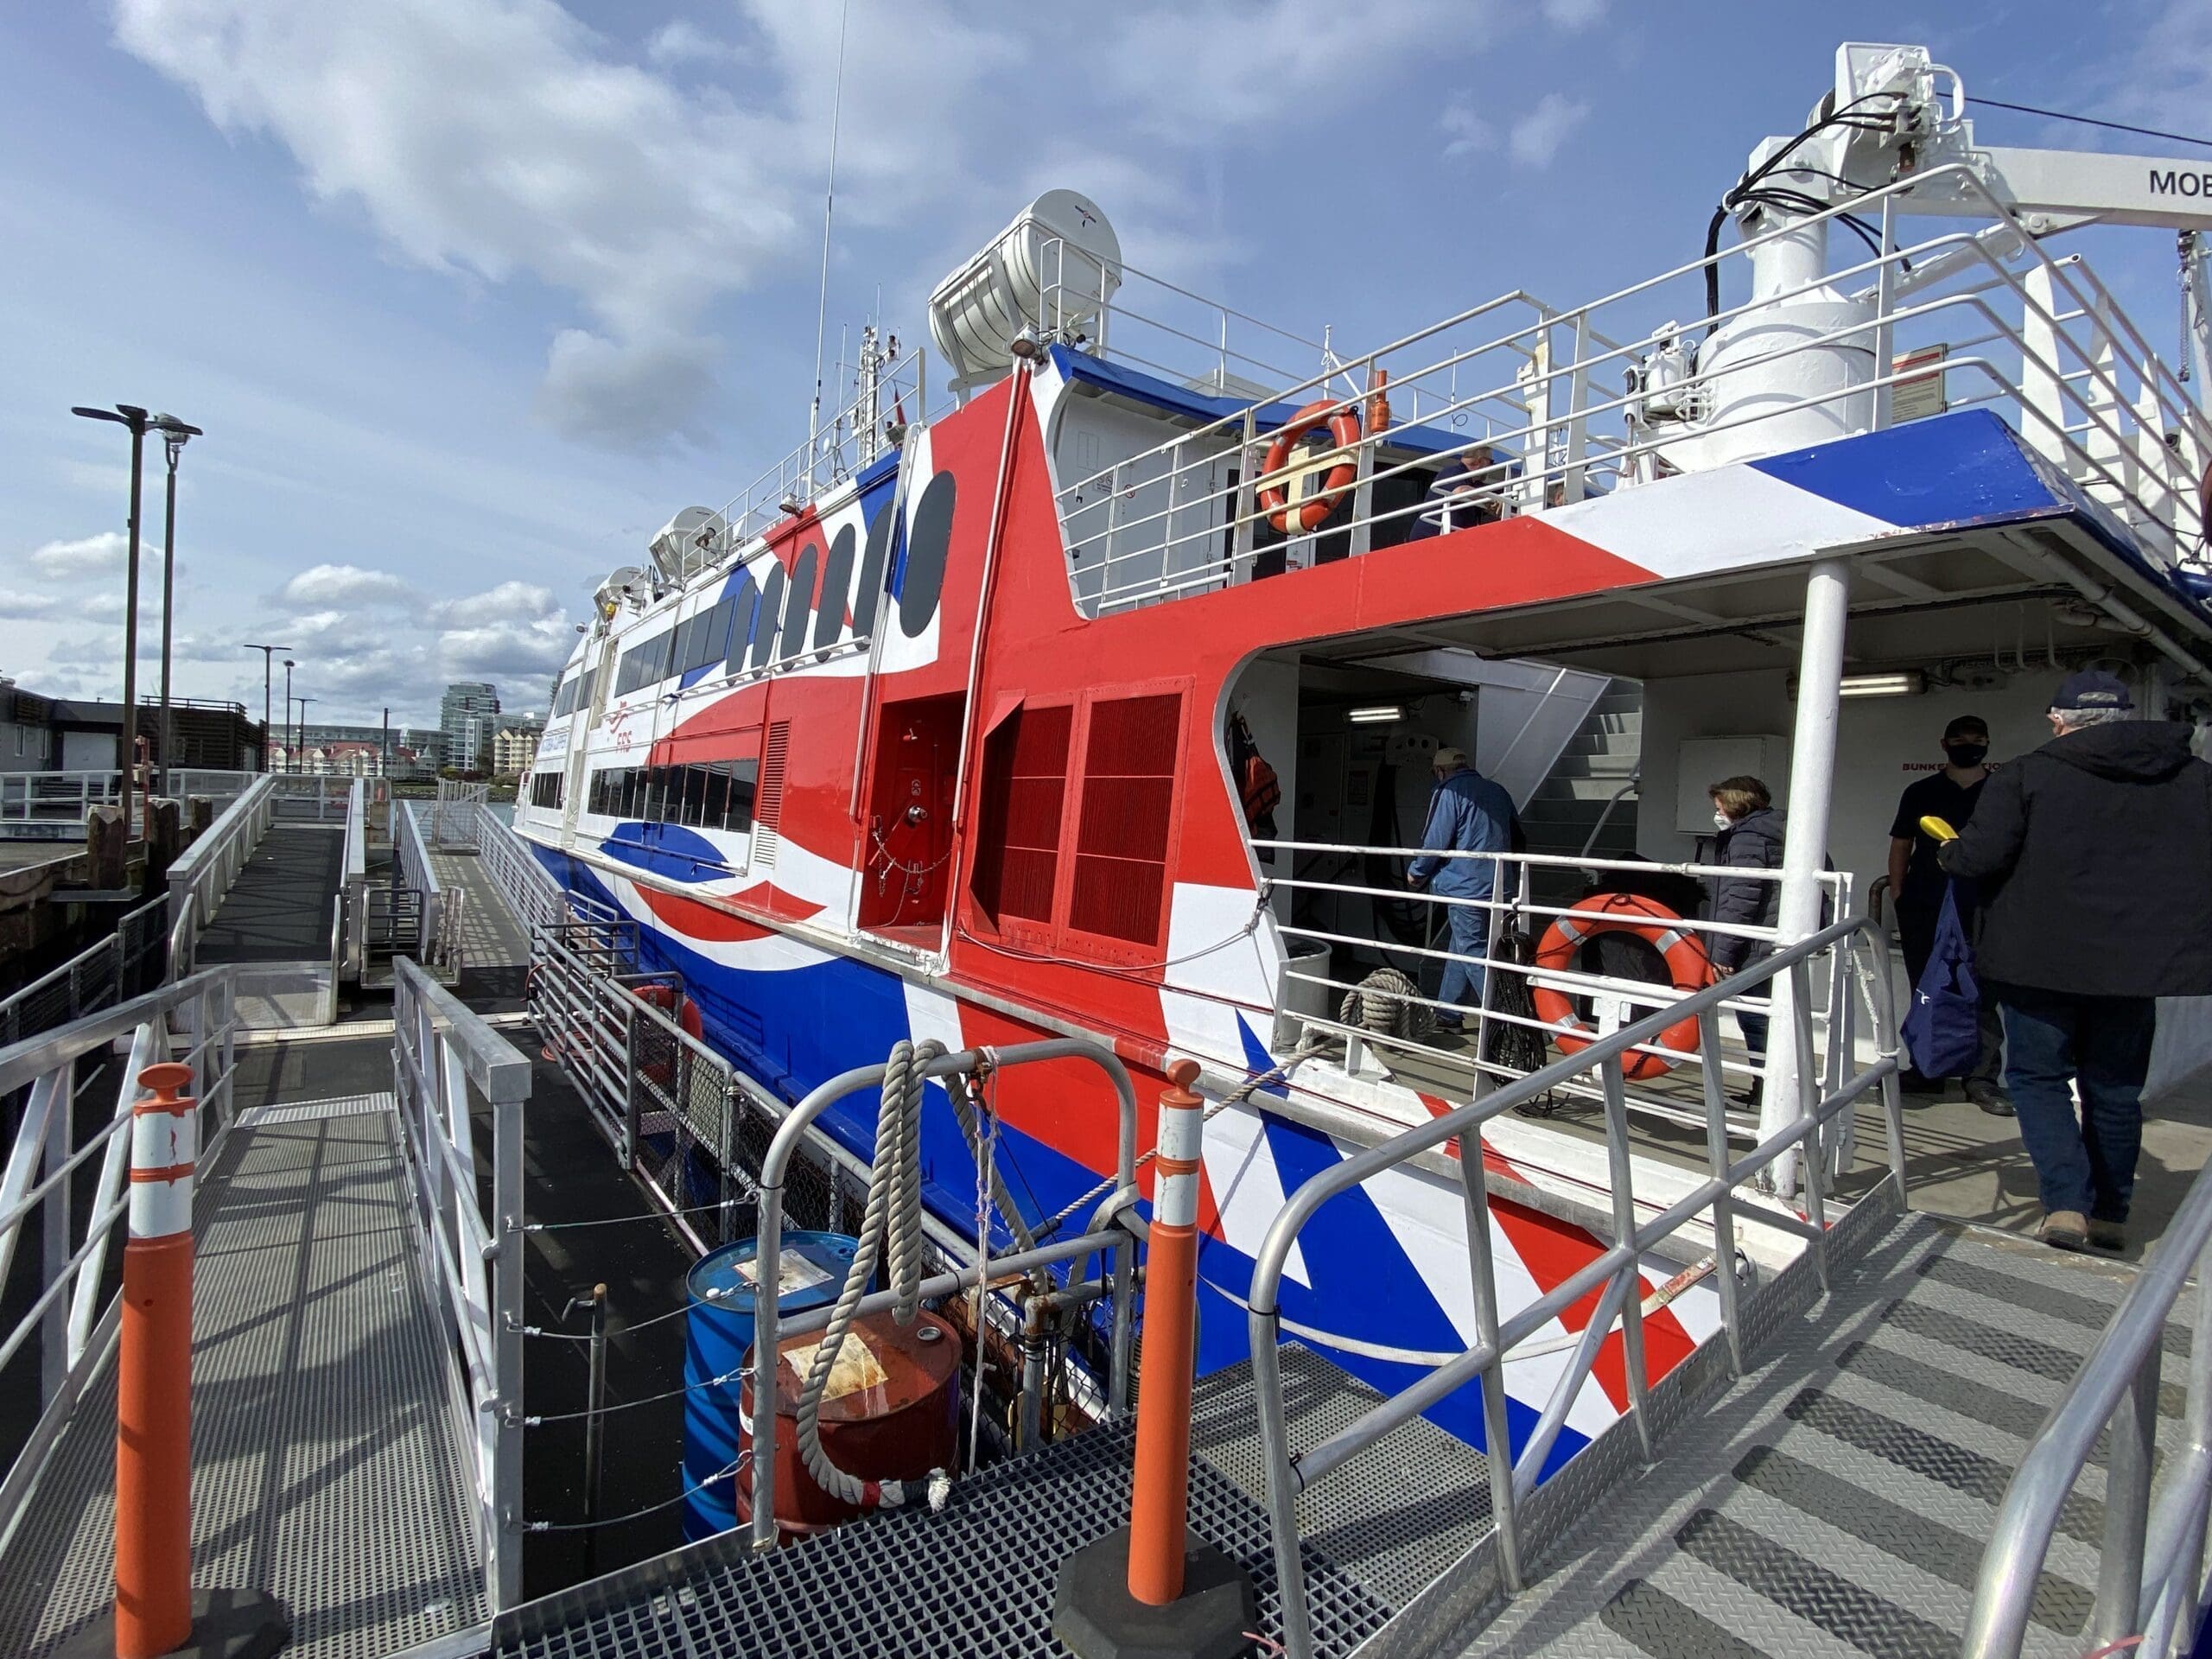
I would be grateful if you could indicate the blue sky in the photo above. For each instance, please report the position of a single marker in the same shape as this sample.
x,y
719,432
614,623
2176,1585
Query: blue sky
x,y
471,294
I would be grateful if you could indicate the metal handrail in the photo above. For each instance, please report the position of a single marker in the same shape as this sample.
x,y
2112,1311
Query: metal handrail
x,y
1614,1272
472,1270
203,872
14,1006
1530,457
2151,1574
75,1326
1101,1236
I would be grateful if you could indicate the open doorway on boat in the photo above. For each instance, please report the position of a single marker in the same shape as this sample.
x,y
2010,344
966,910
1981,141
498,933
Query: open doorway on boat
x,y
909,819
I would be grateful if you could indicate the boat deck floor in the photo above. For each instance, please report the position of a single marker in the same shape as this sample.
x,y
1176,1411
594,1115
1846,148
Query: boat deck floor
x,y
327,1467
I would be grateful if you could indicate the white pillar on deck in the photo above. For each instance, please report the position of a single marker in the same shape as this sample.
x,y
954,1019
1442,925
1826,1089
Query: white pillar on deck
x,y
1804,846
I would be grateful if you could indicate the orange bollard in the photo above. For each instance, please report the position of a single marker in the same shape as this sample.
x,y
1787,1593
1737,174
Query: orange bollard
x,y
1159,1504
1147,1589
153,1441
156,1611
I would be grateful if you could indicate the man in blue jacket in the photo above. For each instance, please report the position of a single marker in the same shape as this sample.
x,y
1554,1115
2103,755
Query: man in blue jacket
x,y
1467,814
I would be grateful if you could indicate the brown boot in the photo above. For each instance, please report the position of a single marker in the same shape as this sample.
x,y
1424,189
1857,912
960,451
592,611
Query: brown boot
x,y
2065,1230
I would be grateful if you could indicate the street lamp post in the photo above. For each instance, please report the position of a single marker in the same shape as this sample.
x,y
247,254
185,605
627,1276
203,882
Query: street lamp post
x,y
292,749
303,726
267,652
127,746
175,435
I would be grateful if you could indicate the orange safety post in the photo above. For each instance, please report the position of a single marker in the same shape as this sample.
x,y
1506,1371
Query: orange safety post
x,y
1148,1589
1158,1505
153,1441
157,1609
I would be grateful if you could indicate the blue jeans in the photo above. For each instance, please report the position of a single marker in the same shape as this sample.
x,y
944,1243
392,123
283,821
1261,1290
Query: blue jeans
x,y
2103,1043
1463,979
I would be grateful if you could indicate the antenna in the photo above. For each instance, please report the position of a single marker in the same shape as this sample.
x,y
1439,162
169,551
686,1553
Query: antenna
x,y
828,208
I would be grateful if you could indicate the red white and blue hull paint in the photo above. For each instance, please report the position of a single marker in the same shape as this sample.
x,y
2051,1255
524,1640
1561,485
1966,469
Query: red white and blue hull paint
x,y
795,989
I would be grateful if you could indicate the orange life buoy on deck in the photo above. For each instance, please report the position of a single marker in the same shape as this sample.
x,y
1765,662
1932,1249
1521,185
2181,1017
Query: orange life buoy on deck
x,y
678,1006
1688,968
1343,426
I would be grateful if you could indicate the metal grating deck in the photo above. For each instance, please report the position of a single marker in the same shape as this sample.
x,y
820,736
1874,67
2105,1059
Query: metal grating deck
x,y
975,1582
326,1466
1836,1500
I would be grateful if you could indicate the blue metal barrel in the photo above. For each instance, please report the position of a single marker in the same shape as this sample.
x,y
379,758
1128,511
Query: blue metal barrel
x,y
717,1332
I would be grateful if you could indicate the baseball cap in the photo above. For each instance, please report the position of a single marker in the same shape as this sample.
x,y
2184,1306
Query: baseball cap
x,y
2092,688
1450,759
1964,724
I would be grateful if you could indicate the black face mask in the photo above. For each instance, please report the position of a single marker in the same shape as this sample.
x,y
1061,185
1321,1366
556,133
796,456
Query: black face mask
x,y
1966,754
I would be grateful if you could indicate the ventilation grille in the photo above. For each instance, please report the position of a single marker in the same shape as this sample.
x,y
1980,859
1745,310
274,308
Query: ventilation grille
x,y
1024,786
1128,794
768,805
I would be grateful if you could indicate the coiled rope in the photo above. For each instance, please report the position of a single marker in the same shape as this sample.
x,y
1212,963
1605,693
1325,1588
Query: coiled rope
x,y
1388,1004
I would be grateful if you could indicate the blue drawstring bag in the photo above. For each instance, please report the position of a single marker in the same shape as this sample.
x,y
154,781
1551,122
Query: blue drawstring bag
x,y
1942,1033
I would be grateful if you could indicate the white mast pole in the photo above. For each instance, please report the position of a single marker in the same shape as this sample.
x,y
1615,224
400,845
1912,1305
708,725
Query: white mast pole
x,y
829,209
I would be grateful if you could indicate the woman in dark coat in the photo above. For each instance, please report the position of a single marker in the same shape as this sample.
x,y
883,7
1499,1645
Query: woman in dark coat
x,y
1750,838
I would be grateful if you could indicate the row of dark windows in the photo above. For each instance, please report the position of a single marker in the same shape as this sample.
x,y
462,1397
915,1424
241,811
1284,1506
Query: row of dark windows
x,y
710,795
546,789
785,615
575,691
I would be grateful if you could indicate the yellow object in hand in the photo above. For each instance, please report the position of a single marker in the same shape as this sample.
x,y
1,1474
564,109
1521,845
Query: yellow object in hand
x,y
1940,829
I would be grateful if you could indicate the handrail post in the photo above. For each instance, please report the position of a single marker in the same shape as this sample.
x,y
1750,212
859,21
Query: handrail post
x,y
2127,1504
505,1581
1147,1587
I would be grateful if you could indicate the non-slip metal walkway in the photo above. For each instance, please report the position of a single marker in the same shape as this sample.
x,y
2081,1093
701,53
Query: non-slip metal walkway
x,y
325,1467
278,908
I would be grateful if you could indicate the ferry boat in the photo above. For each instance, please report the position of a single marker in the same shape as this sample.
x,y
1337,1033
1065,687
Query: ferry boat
x,y
945,729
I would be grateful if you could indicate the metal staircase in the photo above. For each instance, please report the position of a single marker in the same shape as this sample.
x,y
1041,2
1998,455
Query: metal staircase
x,y
1586,805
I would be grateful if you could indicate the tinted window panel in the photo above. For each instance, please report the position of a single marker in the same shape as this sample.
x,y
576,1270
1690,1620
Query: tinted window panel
x,y
744,602
764,630
921,579
836,590
869,593
799,602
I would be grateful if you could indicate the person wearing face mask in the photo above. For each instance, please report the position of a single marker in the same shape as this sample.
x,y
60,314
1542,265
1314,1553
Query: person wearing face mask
x,y
1749,835
1917,885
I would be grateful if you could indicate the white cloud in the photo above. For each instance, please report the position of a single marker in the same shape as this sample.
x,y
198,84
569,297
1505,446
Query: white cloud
x,y
524,653
1537,135
1574,14
628,394
1466,132
680,40
17,606
87,556
510,602
322,586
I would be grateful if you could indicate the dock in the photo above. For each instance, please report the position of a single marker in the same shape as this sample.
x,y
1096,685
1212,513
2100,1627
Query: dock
x,y
426,1128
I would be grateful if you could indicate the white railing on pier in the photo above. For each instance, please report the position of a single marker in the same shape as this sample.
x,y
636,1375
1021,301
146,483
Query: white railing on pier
x,y
203,872
1544,408
452,817
443,1058
1726,1197
191,1019
439,944
56,797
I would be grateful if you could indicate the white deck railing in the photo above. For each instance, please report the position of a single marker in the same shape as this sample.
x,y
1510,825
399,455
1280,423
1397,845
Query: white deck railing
x,y
1543,407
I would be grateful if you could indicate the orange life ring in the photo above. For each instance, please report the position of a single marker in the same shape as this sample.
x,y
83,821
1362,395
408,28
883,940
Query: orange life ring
x,y
1688,968
1343,426
678,1007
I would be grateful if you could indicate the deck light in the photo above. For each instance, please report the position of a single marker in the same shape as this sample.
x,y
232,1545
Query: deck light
x,y
1378,714
1908,683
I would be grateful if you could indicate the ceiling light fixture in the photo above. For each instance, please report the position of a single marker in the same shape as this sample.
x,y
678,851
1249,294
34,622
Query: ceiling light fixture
x,y
1379,714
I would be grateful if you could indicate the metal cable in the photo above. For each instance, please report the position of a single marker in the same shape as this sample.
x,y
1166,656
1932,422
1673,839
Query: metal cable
x,y
743,1457
647,1400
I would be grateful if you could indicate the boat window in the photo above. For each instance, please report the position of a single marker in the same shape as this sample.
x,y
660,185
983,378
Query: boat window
x,y
921,574
643,664
1128,794
764,630
708,640
565,700
1018,839
703,795
799,602
869,596
744,600
584,688
546,789
836,590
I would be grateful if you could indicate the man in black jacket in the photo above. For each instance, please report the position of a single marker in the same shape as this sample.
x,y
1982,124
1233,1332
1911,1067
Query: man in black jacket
x,y
2094,857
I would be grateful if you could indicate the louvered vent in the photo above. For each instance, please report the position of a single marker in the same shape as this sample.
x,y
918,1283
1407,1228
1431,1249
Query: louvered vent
x,y
1128,794
768,803
1024,789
